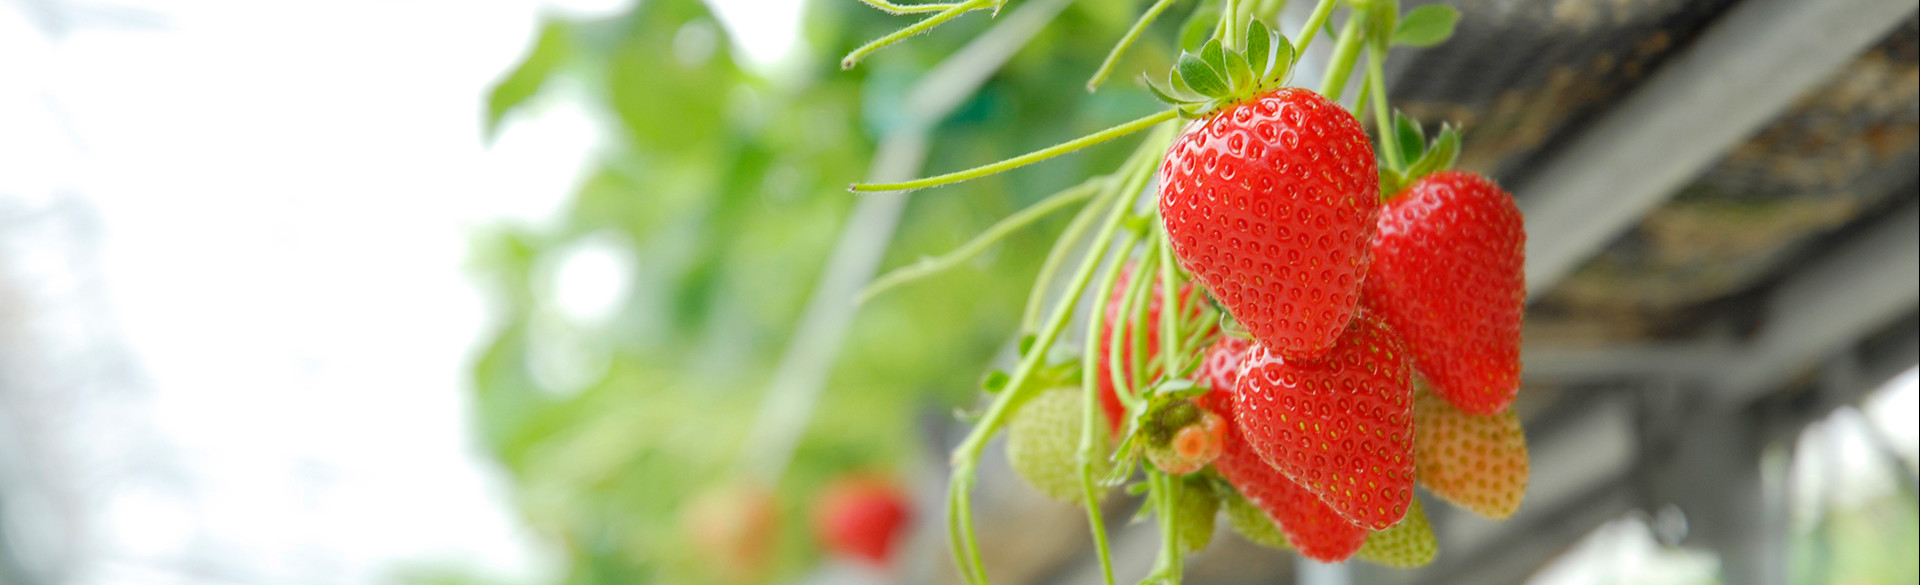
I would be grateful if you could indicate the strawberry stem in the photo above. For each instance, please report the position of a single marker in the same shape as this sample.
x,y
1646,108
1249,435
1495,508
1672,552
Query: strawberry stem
x,y
966,456
930,266
1113,56
1229,14
1126,376
891,8
1321,12
1170,309
1076,231
924,25
1090,397
1345,51
1025,159
1383,123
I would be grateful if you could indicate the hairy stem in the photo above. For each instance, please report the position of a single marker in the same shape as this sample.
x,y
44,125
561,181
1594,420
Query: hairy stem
x,y
1113,57
1090,402
1025,159
1321,12
931,266
1345,51
1076,230
1389,137
967,455
891,8
924,25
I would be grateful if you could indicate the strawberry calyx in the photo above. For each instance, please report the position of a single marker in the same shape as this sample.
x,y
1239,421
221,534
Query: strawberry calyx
x,y
1427,157
1199,85
1184,438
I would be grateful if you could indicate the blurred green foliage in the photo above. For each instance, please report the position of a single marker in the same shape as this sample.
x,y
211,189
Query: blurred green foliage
x,y
727,188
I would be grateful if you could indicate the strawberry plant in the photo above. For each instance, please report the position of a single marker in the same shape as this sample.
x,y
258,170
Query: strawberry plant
x,y
1252,335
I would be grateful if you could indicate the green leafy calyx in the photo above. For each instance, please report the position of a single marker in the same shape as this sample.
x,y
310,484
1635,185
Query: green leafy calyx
x,y
1218,77
1428,157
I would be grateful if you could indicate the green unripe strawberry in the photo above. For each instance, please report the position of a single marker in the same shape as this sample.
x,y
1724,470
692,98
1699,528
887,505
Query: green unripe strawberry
x,y
1406,545
1198,506
1253,524
1043,442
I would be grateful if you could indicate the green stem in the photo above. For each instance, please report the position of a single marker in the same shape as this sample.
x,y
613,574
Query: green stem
x,y
1170,312
1389,139
1345,51
1269,8
1113,57
1229,12
891,8
1030,319
1090,401
916,28
931,266
1025,159
967,455
1132,332
1318,19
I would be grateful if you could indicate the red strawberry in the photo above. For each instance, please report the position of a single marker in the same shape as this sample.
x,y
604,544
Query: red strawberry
x,y
1342,426
862,517
1477,462
1221,371
1109,402
1447,274
1310,525
1272,204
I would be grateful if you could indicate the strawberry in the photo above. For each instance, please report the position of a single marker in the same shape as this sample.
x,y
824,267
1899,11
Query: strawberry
x,y
1272,203
862,518
1406,545
1253,524
1043,443
1308,523
1447,274
1184,438
732,530
1109,402
1342,426
1477,462
1221,370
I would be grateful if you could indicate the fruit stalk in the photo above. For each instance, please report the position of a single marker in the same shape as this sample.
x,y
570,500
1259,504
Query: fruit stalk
x,y
1345,51
924,25
1123,129
967,455
1389,139
1090,403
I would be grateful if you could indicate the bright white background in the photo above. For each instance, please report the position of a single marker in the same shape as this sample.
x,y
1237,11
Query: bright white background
x,y
233,239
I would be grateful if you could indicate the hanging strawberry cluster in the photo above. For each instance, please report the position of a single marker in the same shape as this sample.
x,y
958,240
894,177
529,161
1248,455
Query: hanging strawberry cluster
x,y
1306,326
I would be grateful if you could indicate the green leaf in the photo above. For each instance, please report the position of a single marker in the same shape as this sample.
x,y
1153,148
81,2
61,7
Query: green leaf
x,y
1426,26
1439,157
1282,61
1199,76
1215,57
1259,47
550,49
995,381
1170,96
1412,139
1199,27
1239,72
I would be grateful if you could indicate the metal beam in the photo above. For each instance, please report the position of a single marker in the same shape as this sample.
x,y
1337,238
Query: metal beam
x,y
1750,65
1866,283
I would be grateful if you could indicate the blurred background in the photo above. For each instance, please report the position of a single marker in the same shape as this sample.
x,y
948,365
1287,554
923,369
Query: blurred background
x,y
422,291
